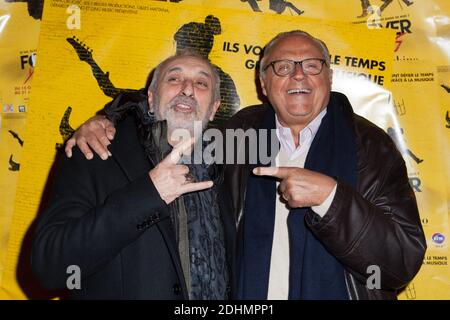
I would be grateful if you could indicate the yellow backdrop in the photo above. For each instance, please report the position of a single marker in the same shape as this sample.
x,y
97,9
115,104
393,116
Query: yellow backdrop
x,y
87,55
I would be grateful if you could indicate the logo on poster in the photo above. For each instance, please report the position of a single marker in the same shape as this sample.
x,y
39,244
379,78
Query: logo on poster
x,y
8,107
29,59
438,238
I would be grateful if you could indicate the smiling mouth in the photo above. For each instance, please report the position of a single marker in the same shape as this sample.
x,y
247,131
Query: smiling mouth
x,y
298,91
183,108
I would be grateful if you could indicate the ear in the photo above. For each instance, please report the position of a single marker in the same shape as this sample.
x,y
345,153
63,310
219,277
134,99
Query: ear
x,y
150,101
215,107
263,85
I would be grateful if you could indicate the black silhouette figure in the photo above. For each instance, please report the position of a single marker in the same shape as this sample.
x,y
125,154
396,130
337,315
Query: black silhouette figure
x,y
65,129
395,136
200,37
14,166
194,36
85,54
447,88
366,8
388,2
34,7
447,116
280,5
16,136
253,4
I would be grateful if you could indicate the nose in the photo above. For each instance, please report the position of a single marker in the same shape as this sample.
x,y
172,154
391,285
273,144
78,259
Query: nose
x,y
298,73
188,88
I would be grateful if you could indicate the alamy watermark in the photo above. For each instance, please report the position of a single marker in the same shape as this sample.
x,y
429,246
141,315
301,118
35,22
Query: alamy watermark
x,y
74,279
229,146
73,21
374,280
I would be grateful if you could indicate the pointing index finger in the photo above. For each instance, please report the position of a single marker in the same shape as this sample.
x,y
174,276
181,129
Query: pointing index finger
x,y
278,172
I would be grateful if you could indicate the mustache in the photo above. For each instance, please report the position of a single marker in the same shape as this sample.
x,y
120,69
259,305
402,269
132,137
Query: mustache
x,y
191,102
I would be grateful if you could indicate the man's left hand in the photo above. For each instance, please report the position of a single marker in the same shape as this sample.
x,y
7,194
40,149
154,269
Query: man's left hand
x,y
300,187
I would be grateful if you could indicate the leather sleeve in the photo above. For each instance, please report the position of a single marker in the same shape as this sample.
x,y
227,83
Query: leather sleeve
x,y
126,103
88,225
377,225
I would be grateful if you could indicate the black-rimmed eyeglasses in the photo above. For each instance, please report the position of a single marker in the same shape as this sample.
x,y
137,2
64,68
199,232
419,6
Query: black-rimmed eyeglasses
x,y
284,68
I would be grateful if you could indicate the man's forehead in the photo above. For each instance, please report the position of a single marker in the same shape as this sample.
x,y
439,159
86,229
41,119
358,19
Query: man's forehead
x,y
295,44
188,64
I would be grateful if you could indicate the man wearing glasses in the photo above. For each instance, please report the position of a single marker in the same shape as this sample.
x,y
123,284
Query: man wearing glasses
x,y
336,217
344,206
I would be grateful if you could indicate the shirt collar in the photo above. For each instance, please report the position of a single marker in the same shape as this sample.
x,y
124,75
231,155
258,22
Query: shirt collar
x,y
306,135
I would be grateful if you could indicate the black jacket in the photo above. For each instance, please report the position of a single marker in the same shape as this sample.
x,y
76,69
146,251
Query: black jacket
x,y
376,224
107,218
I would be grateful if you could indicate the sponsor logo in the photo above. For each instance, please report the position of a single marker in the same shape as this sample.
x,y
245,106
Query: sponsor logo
x,y
8,107
438,238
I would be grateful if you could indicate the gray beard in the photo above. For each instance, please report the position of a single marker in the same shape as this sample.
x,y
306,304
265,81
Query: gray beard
x,y
171,124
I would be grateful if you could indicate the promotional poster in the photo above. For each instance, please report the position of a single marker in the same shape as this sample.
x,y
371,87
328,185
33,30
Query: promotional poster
x,y
63,60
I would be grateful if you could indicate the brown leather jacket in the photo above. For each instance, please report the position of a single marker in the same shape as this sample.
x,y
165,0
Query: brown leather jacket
x,y
376,224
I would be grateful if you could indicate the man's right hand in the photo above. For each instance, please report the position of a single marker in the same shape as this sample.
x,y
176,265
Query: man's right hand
x,y
94,134
171,179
